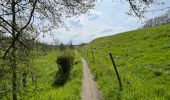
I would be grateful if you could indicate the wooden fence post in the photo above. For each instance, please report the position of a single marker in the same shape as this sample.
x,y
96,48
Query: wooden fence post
x,y
117,74
92,54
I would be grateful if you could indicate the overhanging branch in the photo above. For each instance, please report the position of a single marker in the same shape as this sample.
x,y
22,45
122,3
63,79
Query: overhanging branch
x,y
5,21
7,51
31,14
134,10
6,29
22,44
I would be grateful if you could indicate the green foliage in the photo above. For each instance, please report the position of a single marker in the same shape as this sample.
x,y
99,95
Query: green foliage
x,y
143,60
65,61
5,75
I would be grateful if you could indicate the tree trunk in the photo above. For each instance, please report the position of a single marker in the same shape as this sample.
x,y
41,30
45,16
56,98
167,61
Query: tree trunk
x,y
13,53
24,78
14,73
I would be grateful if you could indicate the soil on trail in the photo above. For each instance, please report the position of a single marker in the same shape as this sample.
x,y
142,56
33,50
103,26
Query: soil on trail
x,y
90,90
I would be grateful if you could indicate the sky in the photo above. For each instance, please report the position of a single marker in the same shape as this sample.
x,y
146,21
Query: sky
x,y
107,18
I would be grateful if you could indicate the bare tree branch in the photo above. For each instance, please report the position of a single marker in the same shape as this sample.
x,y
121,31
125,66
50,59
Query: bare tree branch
x,y
6,29
23,44
5,21
7,51
31,14
134,10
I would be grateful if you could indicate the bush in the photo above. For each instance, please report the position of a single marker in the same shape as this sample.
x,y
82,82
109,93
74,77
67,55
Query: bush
x,y
65,61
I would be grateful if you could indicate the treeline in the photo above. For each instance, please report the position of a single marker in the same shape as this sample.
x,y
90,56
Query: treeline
x,y
163,19
28,42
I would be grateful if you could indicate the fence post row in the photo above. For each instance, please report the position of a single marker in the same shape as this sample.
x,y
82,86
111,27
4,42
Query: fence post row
x,y
117,74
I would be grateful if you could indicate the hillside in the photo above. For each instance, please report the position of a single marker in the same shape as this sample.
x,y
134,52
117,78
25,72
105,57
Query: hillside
x,y
143,60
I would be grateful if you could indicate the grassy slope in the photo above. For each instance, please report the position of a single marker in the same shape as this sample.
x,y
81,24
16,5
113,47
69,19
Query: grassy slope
x,y
47,69
143,59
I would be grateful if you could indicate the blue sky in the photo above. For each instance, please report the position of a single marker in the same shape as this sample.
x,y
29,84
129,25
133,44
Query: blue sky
x,y
107,18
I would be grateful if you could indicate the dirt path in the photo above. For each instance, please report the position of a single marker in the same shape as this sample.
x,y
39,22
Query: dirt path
x,y
90,90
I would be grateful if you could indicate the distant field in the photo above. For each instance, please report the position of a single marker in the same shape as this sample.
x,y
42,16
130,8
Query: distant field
x,y
143,59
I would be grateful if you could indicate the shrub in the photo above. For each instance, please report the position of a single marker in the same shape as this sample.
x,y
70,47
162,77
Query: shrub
x,y
65,61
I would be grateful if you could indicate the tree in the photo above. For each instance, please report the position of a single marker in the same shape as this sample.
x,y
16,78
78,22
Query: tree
x,y
30,17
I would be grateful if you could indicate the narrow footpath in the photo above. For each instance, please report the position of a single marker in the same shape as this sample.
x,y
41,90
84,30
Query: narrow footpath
x,y
90,90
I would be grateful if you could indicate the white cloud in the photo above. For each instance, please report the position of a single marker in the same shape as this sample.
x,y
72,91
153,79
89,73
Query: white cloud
x,y
75,24
132,20
106,19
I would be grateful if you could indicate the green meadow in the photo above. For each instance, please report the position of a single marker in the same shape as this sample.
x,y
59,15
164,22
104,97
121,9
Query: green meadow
x,y
48,89
143,61
50,84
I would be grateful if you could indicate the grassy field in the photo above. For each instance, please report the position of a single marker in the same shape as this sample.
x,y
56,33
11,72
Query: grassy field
x,y
51,85
143,60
